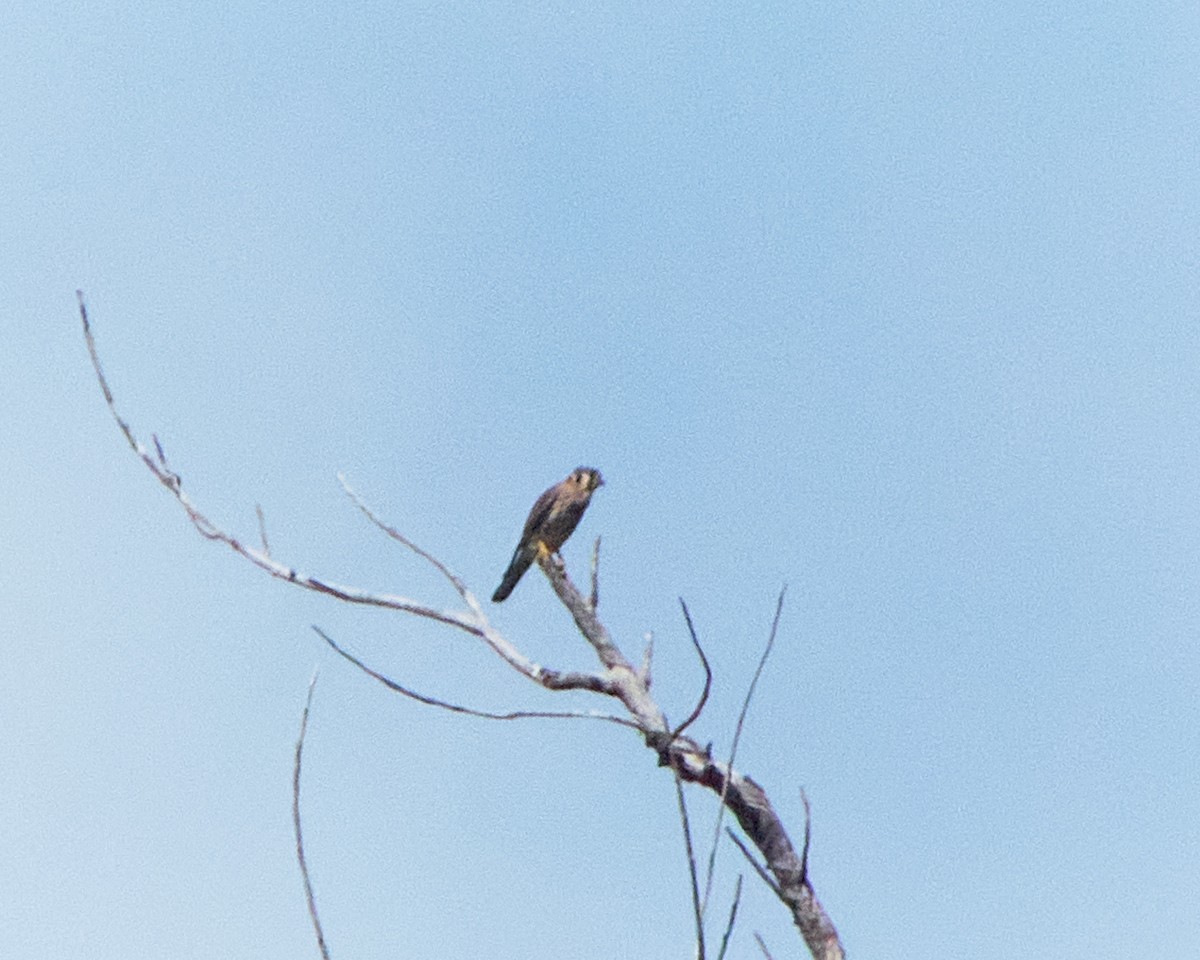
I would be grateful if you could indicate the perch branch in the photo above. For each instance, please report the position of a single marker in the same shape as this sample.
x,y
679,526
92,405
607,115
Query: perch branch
x,y
744,798
473,621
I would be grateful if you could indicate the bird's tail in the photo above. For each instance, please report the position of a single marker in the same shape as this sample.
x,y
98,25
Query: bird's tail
x,y
520,563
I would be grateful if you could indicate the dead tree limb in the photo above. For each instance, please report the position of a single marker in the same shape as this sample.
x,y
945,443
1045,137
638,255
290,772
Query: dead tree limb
x,y
744,798
617,678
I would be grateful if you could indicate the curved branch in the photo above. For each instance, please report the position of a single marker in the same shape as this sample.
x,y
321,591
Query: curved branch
x,y
455,581
473,622
583,683
703,695
744,798
157,465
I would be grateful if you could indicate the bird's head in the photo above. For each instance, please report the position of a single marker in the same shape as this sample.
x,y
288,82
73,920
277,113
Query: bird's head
x,y
585,479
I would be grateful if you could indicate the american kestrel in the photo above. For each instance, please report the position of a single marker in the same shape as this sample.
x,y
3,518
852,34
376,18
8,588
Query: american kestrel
x,y
553,518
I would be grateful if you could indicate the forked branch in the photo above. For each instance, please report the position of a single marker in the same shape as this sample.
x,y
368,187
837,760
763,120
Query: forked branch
x,y
472,621
617,678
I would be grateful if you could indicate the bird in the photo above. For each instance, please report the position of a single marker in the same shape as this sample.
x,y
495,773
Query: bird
x,y
552,520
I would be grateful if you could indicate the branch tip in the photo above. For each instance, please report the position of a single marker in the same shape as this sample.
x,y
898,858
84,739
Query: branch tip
x,y
707,674
262,529
308,888
733,909
763,946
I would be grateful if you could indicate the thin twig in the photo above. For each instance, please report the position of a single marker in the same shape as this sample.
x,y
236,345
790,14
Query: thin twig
x,y
733,909
176,479
308,889
157,464
455,581
262,529
469,711
763,946
707,677
691,858
758,867
737,735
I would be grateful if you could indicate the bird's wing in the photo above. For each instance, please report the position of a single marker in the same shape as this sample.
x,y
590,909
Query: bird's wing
x,y
542,508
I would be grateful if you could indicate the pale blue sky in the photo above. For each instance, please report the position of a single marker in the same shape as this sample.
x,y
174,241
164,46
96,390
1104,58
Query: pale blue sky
x,y
894,303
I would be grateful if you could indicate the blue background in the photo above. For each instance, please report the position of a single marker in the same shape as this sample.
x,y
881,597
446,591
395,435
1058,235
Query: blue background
x,y
894,303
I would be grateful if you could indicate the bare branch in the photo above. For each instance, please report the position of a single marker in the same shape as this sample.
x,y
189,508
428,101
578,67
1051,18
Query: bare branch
x,y
473,622
471,712
691,858
455,581
582,612
748,803
308,889
733,909
262,529
763,946
162,458
550,679
744,798
758,867
737,735
703,695
157,465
